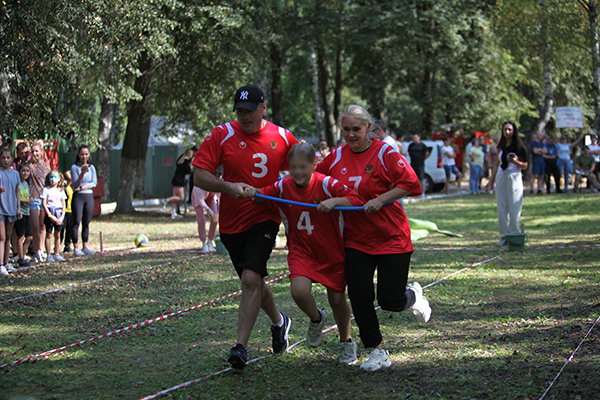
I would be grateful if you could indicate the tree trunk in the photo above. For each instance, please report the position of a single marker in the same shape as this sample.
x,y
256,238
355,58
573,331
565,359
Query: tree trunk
x,y
593,17
276,90
107,115
547,108
135,144
319,118
337,91
428,114
323,69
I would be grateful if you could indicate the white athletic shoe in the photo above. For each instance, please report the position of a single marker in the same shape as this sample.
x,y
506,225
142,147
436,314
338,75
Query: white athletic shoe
x,y
211,247
14,259
205,248
10,268
3,271
49,259
58,258
377,360
314,334
421,308
88,252
174,215
164,204
502,242
78,253
348,355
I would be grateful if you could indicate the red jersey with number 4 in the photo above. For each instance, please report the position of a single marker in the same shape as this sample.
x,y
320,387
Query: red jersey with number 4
x,y
371,173
252,158
316,247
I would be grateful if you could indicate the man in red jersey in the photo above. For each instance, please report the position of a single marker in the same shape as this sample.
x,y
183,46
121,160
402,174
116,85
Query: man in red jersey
x,y
252,150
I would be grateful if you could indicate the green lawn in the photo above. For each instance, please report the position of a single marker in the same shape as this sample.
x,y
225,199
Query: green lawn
x,y
501,330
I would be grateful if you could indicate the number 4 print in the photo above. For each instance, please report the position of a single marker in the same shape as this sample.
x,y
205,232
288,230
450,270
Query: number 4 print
x,y
304,223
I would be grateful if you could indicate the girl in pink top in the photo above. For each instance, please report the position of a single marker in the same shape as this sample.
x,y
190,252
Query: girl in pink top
x,y
209,202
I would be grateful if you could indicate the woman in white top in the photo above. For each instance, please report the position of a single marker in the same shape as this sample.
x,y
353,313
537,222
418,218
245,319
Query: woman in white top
x,y
511,160
564,159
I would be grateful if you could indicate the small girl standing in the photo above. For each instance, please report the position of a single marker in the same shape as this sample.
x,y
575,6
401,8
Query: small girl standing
x,y
316,247
10,207
53,201
23,225
206,201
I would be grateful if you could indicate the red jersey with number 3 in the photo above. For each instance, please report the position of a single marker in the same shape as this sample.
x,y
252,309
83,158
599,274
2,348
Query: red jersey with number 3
x,y
371,173
252,158
316,247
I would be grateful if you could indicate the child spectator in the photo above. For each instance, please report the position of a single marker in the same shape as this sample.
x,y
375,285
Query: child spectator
x,y
206,201
10,209
53,201
66,233
476,161
23,226
585,165
538,149
316,247
448,156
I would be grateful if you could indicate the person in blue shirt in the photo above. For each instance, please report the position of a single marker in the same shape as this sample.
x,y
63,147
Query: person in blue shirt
x,y
84,179
551,158
538,166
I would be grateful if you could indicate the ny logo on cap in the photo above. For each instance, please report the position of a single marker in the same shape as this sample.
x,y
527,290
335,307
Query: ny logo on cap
x,y
244,95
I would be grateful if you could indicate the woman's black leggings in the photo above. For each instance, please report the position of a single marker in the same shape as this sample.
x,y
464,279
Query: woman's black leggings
x,y
82,208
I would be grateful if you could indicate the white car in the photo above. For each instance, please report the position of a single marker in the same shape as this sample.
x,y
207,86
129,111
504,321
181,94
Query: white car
x,y
435,176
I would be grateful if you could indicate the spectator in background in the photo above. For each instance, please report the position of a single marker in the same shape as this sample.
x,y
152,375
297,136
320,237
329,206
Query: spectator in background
x,y
564,159
341,142
323,150
551,160
448,156
508,167
182,168
584,166
39,170
22,154
202,201
538,166
84,177
381,133
476,161
418,153
595,152
492,156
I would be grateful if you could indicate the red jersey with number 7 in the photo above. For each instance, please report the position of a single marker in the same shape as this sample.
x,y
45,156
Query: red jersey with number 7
x,y
372,173
315,243
252,158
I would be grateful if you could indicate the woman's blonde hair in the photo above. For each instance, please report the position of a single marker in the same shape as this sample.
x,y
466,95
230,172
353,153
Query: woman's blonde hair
x,y
358,112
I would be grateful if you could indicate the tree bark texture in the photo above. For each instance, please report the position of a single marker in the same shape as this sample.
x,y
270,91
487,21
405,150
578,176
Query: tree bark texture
x,y
547,107
595,39
323,69
276,100
107,115
337,92
135,144
319,118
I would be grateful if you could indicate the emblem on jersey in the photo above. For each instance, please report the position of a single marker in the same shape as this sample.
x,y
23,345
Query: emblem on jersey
x,y
244,95
369,169
344,171
401,163
209,136
317,201
242,145
273,145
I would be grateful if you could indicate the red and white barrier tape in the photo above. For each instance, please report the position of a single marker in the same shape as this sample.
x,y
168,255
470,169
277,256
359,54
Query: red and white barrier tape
x,y
96,280
570,359
188,383
577,246
131,327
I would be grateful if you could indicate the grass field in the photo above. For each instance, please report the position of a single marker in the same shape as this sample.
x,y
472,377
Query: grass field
x,y
501,330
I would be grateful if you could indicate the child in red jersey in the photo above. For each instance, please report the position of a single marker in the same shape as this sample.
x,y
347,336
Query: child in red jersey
x,y
316,247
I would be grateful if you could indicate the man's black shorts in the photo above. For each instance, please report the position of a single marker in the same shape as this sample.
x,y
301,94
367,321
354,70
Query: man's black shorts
x,y
420,171
23,227
252,248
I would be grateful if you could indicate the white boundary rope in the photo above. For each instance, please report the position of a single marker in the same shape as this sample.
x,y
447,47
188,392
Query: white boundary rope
x,y
188,383
570,358
98,280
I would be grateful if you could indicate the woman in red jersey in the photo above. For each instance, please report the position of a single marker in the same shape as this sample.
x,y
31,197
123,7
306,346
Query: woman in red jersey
x,y
378,238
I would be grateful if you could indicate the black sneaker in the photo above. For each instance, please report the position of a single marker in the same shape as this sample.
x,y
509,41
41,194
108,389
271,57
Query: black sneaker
x,y
23,263
238,357
280,335
68,249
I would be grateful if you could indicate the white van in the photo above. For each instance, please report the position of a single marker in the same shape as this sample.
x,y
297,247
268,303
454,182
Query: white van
x,y
435,176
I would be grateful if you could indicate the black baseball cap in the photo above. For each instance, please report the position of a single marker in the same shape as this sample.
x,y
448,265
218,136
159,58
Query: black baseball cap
x,y
248,97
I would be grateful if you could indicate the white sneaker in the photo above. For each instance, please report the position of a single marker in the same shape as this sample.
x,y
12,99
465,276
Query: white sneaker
x,y
164,204
175,215
10,268
205,248
14,259
49,259
348,355
40,256
88,252
314,334
58,258
377,360
502,242
3,271
78,253
421,308
211,247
